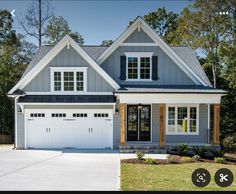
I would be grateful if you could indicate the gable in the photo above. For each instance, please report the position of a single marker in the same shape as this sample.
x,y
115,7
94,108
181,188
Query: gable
x,y
68,58
139,36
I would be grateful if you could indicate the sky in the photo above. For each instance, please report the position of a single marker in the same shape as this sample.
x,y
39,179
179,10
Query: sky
x,y
96,20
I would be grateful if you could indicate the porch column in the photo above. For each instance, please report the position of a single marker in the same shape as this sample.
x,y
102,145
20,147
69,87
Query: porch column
x,y
162,125
122,123
216,124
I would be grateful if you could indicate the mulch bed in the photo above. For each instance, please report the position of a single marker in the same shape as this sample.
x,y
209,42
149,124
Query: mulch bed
x,y
164,162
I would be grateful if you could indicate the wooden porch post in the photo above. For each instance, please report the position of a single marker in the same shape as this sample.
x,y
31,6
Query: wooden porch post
x,y
216,124
162,125
122,123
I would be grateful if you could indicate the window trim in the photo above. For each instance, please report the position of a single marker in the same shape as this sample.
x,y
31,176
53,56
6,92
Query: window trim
x,y
139,55
68,69
176,119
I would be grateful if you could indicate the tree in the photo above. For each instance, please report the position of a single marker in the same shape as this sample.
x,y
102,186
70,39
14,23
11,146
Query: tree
x,y
106,42
15,54
57,28
36,18
163,22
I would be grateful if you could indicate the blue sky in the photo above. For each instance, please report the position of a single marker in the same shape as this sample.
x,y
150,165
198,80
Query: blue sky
x,y
97,20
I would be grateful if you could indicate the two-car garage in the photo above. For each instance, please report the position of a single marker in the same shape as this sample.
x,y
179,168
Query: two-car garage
x,y
69,128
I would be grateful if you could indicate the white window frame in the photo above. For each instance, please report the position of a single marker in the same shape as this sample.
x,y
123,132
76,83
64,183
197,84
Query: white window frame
x,y
188,120
139,55
68,69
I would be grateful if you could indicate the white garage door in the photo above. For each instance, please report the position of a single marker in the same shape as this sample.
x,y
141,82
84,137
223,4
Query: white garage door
x,y
87,128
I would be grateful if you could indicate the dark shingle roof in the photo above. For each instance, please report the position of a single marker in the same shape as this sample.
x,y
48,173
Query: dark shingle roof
x,y
186,53
67,99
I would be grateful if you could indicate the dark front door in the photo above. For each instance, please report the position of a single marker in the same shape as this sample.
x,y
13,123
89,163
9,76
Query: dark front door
x,y
138,123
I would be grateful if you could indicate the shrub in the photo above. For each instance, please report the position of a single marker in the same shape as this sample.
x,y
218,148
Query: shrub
x,y
183,149
186,159
220,160
196,158
140,155
229,142
173,159
150,161
208,152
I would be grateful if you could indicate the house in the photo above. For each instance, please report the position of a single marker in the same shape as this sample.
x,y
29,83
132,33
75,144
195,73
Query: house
x,y
138,91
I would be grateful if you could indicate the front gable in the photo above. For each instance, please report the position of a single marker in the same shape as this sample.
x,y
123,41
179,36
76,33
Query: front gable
x,y
138,36
68,58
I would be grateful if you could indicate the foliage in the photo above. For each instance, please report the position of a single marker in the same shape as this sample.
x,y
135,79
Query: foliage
x,y
183,149
106,42
185,159
57,28
140,155
163,22
196,158
150,161
172,159
207,152
220,160
229,142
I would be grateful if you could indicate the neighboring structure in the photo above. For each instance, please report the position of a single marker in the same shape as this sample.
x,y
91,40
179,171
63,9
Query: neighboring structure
x,y
137,91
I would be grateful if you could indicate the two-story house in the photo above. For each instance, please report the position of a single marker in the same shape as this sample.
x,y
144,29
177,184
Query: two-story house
x,y
137,91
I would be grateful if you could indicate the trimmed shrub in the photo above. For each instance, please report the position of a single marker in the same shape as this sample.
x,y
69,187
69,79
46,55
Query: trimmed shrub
x,y
183,149
220,160
196,158
173,160
186,160
150,161
208,152
140,155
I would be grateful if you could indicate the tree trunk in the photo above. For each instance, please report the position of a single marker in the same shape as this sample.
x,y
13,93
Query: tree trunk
x,y
214,74
40,23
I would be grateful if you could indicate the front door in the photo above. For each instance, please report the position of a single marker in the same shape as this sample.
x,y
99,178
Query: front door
x,y
138,123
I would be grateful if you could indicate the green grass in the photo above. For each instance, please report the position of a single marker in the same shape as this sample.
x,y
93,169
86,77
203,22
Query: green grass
x,y
173,177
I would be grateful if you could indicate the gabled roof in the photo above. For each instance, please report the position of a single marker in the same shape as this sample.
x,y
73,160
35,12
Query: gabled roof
x,y
38,64
141,24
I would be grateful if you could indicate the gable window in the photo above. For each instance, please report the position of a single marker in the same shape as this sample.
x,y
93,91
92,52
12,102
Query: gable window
x,y
182,119
68,79
139,65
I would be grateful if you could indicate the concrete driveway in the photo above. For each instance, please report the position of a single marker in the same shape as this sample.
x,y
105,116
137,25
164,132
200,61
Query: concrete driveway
x,y
59,170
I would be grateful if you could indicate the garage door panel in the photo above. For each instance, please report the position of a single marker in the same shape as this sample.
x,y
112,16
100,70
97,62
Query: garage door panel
x,y
85,128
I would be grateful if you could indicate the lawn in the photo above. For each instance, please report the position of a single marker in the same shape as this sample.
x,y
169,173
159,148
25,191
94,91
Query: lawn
x,y
172,177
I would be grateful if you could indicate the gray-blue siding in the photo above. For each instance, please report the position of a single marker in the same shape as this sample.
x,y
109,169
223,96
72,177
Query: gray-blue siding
x,y
168,72
68,58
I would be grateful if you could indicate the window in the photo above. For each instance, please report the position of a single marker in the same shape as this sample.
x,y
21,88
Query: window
x,y
101,115
58,115
37,115
139,65
80,115
69,79
182,119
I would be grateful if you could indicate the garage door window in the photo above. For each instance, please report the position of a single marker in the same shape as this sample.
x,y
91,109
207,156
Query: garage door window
x,y
58,115
80,115
37,115
101,115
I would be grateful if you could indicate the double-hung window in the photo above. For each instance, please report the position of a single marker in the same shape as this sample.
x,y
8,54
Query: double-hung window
x,y
68,79
139,65
182,119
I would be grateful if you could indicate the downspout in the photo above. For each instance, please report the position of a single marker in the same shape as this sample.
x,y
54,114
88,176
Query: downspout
x,y
15,142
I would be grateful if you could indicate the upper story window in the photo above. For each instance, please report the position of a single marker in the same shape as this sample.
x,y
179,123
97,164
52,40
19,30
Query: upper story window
x,y
139,65
68,79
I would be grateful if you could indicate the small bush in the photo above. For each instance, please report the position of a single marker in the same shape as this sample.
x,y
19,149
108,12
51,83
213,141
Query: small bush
x,y
208,152
229,142
150,161
140,155
220,160
186,160
196,158
183,149
172,160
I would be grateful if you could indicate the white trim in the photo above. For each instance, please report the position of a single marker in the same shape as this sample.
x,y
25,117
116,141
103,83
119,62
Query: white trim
x,y
166,98
208,122
16,114
51,54
188,119
68,93
69,69
137,44
147,29
63,103
139,55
